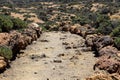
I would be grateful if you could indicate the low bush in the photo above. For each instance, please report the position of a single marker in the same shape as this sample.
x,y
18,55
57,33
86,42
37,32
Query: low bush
x,y
5,23
105,27
116,32
81,20
18,23
117,42
0,30
6,52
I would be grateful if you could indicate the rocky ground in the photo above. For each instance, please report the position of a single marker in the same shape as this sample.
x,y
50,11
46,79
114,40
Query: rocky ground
x,y
54,56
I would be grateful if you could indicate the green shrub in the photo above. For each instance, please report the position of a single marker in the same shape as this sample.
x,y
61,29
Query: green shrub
x,y
116,32
117,42
18,23
81,20
0,30
105,27
99,19
5,23
6,52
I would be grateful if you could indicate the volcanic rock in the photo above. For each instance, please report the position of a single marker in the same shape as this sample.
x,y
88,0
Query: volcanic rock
x,y
102,41
109,64
109,50
3,63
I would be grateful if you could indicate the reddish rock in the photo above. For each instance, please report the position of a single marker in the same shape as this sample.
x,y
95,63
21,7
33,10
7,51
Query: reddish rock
x,y
110,64
102,41
3,63
74,28
104,76
35,27
4,38
109,50
31,33
99,77
89,39
90,31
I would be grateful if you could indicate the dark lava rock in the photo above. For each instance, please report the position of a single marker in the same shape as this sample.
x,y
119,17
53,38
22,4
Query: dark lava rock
x,y
102,41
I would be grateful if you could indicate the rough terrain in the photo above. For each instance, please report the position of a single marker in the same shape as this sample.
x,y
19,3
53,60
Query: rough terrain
x,y
54,56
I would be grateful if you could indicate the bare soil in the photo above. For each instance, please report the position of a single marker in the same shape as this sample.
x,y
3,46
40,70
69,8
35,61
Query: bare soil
x,y
54,56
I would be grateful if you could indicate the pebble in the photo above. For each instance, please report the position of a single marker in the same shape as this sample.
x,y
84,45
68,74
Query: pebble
x,y
35,72
57,61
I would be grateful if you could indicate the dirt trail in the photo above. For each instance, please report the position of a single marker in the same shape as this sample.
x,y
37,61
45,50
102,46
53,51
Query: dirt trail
x,y
55,56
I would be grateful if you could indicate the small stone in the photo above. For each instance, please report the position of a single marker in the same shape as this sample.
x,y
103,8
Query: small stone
x,y
62,38
61,55
46,48
65,43
44,40
43,56
45,62
68,47
4,75
36,60
74,47
34,42
86,49
78,53
53,68
35,72
57,61
36,57
74,58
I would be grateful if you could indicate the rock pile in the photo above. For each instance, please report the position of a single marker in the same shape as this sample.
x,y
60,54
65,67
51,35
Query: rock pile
x,y
100,76
108,55
18,40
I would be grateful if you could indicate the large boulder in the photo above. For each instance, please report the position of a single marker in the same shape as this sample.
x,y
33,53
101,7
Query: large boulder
x,y
109,64
104,76
35,27
73,28
109,50
89,39
99,77
118,53
90,31
3,63
102,41
30,32
66,27
4,38
17,41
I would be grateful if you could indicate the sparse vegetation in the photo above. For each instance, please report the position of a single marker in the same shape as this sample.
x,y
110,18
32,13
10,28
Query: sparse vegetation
x,y
18,23
8,23
5,23
91,19
6,52
116,32
117,42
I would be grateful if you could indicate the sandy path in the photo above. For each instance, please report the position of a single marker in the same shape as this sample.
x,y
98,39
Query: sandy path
x,y
55,56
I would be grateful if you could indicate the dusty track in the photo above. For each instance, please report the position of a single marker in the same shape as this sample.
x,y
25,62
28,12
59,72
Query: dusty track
x,y
55,56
